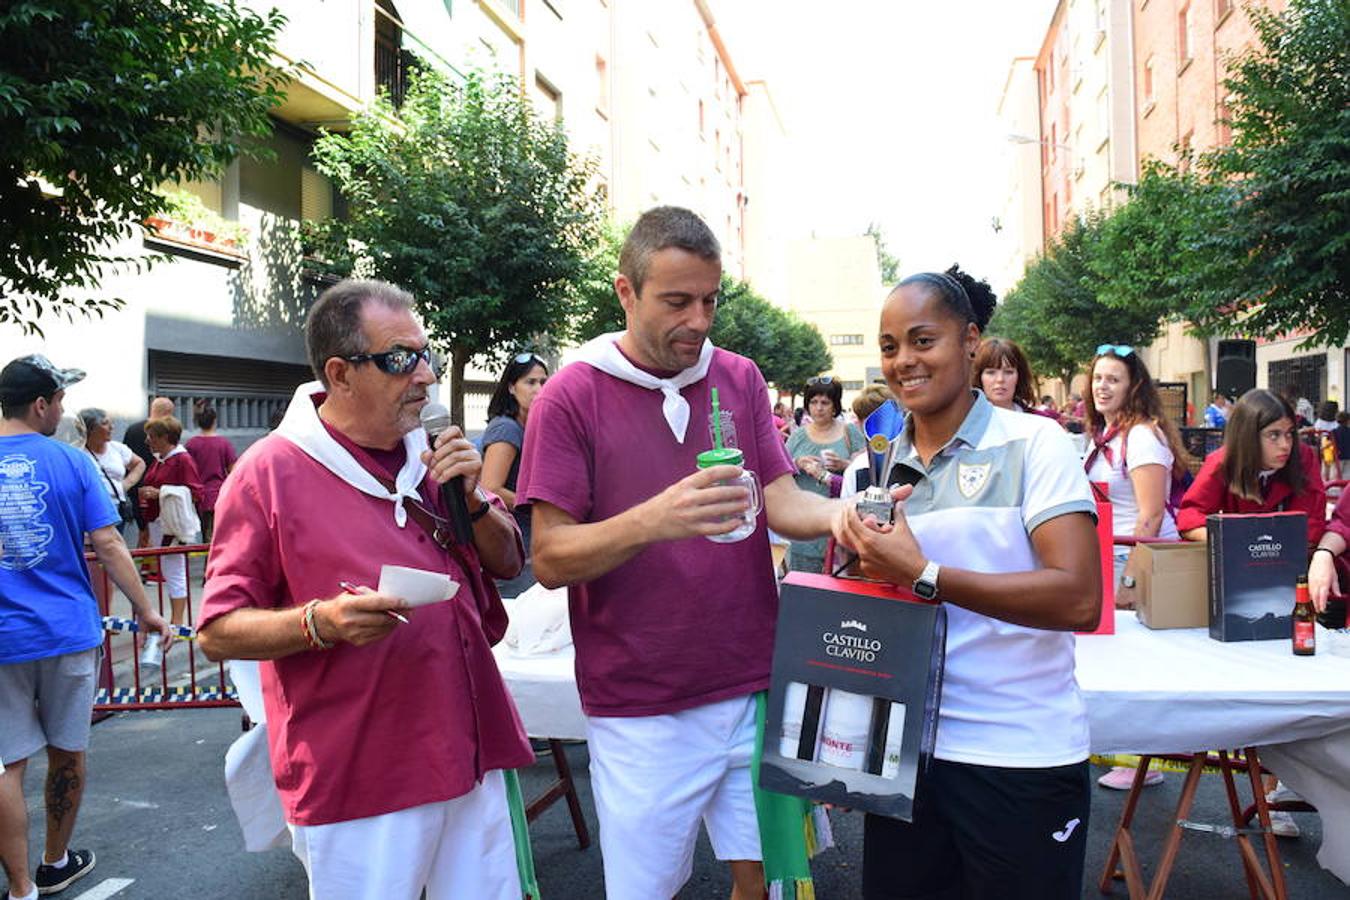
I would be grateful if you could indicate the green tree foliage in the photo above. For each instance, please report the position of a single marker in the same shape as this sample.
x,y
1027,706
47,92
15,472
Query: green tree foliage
x,y
1254,237
102,101
787,350
473,203
1160,251
887,263
1056,312
1289,166
596,308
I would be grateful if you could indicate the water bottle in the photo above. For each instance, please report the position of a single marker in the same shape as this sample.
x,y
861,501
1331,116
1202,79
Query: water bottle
x,y
152,654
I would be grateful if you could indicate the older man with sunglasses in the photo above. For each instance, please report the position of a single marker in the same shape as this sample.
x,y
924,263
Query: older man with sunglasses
x,y
388,725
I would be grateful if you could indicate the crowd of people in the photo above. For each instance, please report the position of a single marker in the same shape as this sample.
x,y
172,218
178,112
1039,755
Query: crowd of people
x,y
392,735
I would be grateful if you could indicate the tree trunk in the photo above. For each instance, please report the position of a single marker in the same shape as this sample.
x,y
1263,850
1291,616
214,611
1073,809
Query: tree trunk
x,y
459,359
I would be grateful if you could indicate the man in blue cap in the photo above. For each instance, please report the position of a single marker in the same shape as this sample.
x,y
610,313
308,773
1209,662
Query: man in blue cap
x,y
51,630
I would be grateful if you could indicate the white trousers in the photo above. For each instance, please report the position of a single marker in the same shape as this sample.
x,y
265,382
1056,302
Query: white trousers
x,y
461,848
654,778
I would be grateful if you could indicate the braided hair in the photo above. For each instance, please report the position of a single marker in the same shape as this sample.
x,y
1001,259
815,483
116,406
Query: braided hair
x,y
967,298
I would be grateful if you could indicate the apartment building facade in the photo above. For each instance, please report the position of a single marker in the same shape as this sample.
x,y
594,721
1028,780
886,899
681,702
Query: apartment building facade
x,y
650,90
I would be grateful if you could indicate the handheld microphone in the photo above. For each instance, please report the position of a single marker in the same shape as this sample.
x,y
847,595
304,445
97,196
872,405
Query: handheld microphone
x,y
435,419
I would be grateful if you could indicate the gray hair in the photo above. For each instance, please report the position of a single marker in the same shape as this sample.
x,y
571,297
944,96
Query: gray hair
x,y
91,416
660,228
333,326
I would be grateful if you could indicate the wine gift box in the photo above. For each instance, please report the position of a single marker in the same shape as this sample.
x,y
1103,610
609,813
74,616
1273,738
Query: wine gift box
x,y
1254,561
853,699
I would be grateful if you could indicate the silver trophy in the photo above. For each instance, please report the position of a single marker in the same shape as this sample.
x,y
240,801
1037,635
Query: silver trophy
x,y
876,501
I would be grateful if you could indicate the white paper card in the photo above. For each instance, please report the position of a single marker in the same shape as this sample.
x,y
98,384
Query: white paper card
x,y
417,587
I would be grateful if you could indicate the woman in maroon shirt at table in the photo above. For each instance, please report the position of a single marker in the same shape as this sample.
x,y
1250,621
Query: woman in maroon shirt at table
x,y
1262,467
172,465
214,456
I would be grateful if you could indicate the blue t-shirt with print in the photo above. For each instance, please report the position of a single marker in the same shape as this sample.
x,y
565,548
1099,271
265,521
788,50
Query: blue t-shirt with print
x,y
50,495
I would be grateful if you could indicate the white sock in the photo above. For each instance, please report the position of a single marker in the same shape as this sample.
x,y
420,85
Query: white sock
x,y
60,864
31,895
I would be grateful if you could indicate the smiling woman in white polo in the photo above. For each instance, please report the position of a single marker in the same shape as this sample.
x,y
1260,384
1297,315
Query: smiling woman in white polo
x,y
995,521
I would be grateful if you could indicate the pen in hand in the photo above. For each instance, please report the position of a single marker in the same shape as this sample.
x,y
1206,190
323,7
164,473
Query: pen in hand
x,y
353,589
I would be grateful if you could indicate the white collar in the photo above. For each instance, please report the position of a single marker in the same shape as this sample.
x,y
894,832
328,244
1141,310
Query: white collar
x,y
301,426
603,353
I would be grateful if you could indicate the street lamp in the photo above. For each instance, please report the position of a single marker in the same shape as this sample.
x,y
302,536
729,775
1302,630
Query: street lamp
x,y
1027,139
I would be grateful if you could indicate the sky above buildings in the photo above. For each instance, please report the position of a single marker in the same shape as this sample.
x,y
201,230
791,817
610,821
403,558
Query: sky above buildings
x,y
891,109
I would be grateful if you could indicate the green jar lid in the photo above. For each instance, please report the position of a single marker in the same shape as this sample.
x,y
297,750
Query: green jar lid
x,y
727,456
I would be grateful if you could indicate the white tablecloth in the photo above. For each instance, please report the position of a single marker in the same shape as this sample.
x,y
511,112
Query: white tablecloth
x,y
1173,691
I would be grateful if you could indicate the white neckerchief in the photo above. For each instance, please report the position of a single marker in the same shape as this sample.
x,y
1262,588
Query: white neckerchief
x,y
603,353
301,426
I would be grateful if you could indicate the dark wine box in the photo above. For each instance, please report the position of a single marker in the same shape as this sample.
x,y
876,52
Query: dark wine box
x,y
871,641
1254,561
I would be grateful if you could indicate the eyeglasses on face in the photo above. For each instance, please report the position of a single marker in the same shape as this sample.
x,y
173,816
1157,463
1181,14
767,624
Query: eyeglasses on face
x,y
823,379
399,361
1115,349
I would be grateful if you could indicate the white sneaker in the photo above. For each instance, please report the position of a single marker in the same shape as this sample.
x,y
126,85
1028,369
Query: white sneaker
x,y
1283,794
1282,824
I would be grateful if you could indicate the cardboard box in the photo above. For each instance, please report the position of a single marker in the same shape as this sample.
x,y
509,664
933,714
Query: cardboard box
x,y
853,698
1254,561
1173,585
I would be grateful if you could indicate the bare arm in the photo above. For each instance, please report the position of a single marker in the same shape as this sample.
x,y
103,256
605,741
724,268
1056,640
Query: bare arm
x,y
568,552
135,469
1196,534
251,633
1150,486
1064,595
116,560
1322,568
797,514
497,459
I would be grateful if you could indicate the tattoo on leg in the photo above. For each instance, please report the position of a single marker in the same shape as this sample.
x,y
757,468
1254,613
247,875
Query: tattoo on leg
x,y
62,782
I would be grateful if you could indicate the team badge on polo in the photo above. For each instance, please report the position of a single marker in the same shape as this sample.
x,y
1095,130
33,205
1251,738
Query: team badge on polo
x,y
971,479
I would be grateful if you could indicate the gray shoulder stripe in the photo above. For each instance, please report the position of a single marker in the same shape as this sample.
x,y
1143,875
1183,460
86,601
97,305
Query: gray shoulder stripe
x,y
1062,509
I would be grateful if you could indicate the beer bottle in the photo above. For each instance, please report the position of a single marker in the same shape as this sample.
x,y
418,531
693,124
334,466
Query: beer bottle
x,y
1305,636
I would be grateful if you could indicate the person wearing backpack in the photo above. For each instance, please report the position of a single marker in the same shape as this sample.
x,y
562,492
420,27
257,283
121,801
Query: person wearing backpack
x,y
1137,453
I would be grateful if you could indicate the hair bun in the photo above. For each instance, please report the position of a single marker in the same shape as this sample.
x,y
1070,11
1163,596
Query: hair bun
x,y
982,298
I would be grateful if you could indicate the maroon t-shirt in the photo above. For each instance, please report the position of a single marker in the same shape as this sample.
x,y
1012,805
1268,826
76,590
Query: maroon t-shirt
x,y
682,623
214,455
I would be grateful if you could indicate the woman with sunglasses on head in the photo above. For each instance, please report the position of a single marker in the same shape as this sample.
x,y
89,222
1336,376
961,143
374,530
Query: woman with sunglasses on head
x,y
1003,373
504,436
995,520
1262,467
821,448
1137,453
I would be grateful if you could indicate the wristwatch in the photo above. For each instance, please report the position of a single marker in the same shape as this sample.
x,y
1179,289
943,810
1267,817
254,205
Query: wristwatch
x,y
926,586
484,505
1127,581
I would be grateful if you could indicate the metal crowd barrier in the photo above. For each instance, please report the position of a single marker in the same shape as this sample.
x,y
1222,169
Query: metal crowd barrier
x,y
182,680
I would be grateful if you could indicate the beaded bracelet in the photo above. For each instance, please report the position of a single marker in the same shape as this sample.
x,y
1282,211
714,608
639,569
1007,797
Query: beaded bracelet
x,y
310,630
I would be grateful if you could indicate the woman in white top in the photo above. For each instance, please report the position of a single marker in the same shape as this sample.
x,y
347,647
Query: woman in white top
x,y
121,468
1137,453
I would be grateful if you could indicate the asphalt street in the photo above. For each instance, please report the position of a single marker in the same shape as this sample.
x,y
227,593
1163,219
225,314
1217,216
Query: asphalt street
x,y
157,815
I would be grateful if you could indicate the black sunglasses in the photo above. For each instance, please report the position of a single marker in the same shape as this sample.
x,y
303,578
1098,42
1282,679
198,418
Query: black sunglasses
x,y
399,361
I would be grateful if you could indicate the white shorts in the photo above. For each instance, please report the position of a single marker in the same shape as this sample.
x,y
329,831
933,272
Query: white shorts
x,y
654,778
456,848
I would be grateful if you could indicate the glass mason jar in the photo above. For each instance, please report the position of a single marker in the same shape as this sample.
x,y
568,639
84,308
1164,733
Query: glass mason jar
x,y
730,456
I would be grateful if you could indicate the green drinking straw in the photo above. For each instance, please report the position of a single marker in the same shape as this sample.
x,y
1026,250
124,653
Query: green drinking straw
x,y
717,421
